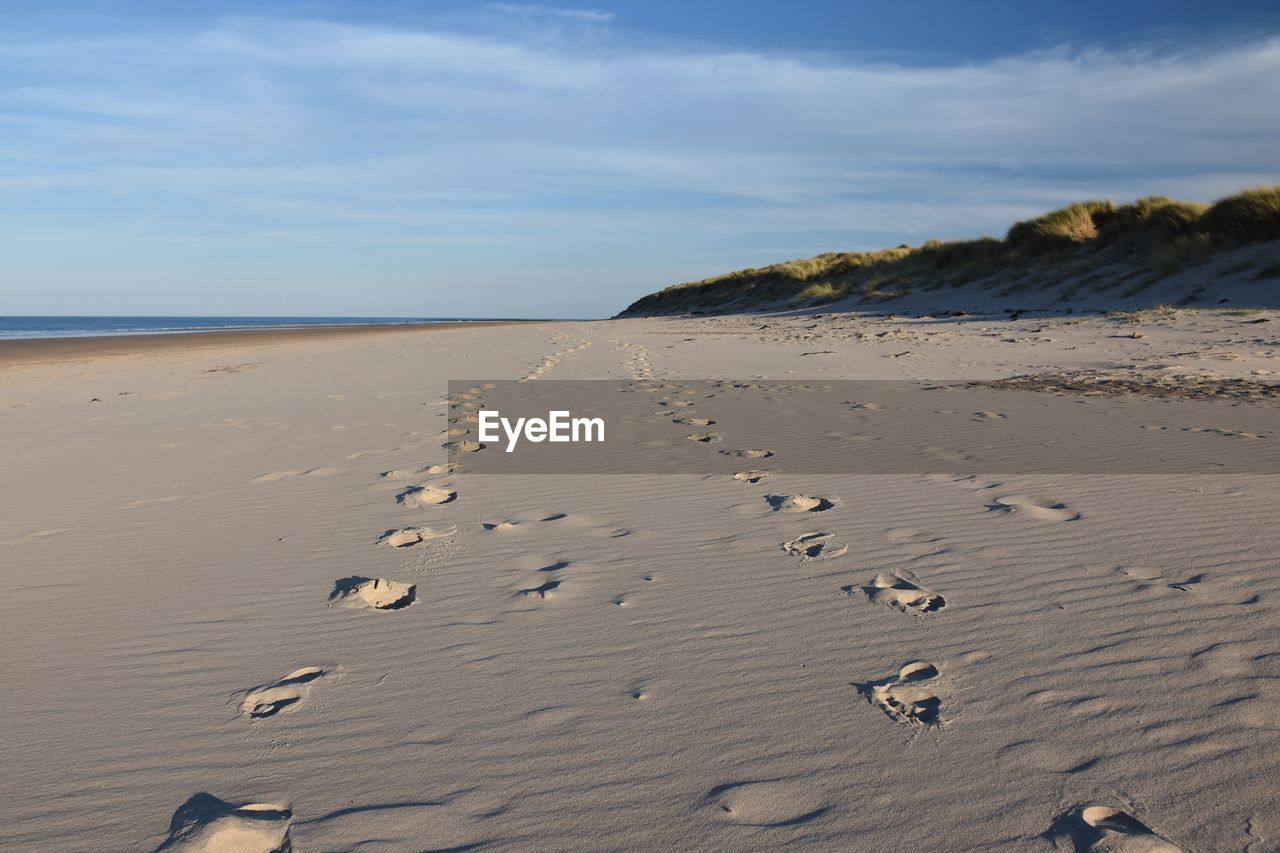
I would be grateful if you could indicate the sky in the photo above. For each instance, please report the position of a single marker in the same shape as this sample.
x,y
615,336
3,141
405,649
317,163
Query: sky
x,y
402,158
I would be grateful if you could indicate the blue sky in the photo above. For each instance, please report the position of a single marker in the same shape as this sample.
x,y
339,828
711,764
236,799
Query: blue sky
x,y
424,158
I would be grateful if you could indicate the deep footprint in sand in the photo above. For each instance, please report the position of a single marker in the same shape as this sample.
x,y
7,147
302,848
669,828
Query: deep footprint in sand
x,y
1104,829
426,496
1032,508
751,453
705,437
903,593
910,697
545,590
206,824
407,536
400,473
694,421
373,593
500,526
815,546
269,699
765,803
800,503
750,476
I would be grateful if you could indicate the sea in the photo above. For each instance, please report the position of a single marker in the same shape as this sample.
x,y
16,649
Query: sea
x,y
79,327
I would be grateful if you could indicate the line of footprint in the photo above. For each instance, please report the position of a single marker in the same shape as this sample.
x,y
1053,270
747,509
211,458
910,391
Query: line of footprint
x,y
550,361
914,694
896,590
205,822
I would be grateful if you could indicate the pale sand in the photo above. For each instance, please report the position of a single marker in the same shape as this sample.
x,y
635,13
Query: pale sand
x,y
629,662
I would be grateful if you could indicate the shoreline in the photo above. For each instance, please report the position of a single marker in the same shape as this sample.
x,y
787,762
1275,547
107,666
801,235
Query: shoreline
x,y
29,350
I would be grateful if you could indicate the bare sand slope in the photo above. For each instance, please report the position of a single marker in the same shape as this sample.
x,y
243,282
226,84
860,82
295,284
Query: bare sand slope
x,y
246,600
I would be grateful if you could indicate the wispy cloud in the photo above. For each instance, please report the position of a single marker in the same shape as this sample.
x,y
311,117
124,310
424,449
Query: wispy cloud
x,y
593,16
472,156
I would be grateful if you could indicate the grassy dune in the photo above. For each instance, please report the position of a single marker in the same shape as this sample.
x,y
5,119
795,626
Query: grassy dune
x,y
1094,244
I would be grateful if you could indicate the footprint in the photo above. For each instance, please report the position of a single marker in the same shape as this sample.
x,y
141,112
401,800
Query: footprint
x,y
468,446
275,476
750,476
903,593
269,699
641,690
1032,508
1103,829
694,421
206,823
500,526
373,593
1190,584
1228,433
766,802
800,503
407,536
815,546
705,437
748,454
909,697
426,496
544,590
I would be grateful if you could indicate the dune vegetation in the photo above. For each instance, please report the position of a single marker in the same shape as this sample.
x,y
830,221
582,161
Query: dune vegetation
x,y
1093,244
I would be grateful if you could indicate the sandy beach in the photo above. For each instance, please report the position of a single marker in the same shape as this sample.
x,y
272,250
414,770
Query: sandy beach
x,y
249,602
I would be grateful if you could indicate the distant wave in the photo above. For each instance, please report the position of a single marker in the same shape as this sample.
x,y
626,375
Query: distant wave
x,y
78,327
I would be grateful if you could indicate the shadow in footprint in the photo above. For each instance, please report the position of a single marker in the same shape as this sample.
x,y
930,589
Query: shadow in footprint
x,y
908,696
765,803
205,822
799,503
750,453
541,591
267,700
425,496
408,536
894,590
1026,507
1188,584
1101,828
815,546
500,526
373,593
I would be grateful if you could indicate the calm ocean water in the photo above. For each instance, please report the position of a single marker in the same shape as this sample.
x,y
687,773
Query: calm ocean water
x,y
79,327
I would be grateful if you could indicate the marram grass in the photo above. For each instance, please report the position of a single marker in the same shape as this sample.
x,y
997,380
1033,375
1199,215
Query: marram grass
x,y
1148,240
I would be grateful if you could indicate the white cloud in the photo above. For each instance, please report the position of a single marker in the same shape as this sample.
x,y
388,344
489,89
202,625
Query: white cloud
x,y
589,146
593,16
